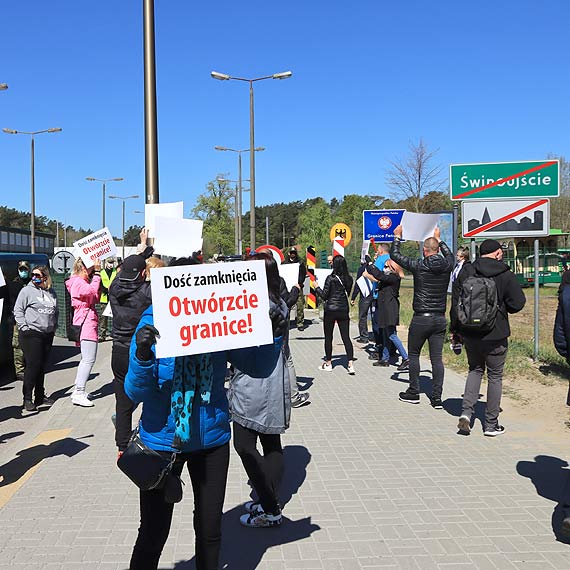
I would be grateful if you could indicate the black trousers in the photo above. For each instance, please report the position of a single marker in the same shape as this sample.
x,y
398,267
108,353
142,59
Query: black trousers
x,y
208,472
264,471
343,321
431,329
36,347
364,304
124,407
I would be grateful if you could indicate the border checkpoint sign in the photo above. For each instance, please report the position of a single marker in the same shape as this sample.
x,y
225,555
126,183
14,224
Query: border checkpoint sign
x,y
537,179
380,224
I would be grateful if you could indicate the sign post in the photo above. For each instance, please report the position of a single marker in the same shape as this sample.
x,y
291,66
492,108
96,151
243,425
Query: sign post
x,y
536,300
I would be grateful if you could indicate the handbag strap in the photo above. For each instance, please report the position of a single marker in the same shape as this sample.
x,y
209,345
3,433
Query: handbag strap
x,y
343,288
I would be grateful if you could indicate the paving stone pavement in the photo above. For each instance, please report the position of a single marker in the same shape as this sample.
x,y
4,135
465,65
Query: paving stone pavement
x,y
370,482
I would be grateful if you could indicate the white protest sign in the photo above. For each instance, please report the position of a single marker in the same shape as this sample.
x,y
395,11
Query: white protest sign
x,y
418,227
2,283
108,311
209,308
321,276
290,273
365,286
96,246
364,250
165,210
177,237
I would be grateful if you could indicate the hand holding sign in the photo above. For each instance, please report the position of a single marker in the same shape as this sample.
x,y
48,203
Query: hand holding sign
x,y
398,231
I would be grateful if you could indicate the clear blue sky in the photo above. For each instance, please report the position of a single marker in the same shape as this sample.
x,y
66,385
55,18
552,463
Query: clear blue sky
x,y
482,81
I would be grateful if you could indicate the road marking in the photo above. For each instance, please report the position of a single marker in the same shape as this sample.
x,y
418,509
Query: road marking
x,y
29,459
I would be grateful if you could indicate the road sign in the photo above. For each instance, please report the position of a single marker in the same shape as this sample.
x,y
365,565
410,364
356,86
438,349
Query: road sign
x,y
62,262
538,179
506,218
342,231
380,224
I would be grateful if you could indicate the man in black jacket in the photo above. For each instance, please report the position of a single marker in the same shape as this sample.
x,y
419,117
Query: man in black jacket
x,y
431,278
489,349
293,257
129,295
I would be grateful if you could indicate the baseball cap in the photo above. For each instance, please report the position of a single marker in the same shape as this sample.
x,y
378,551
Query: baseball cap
x,y
132,267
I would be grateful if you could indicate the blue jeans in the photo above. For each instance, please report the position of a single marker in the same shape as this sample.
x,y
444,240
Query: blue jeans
x,y
389,334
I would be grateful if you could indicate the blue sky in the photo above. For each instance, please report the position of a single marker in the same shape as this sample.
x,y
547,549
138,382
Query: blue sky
x,y
482,81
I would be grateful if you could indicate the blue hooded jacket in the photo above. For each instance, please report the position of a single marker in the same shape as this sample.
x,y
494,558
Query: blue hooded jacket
x,y
150,382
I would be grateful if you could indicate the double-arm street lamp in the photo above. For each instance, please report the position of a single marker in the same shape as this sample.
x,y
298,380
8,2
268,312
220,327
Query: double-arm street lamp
x,y
124,199
33,189
239,209
104,181
226,77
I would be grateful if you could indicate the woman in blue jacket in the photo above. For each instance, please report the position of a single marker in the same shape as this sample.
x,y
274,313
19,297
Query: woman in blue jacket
x,y
185,410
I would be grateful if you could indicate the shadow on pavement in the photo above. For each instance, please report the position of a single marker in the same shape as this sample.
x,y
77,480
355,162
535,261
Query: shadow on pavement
x,y
14,413
30,457
105,390
244,547
551,478
6,436
60,353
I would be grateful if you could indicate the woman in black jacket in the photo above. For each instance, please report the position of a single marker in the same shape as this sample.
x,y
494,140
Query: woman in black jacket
x,y
335,294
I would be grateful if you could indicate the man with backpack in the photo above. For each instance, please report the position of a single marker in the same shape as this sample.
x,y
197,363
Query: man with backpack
x,y
483,295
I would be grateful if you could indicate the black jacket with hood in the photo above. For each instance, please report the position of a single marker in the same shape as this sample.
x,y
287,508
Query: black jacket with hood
x,y
431,277
335,293
509,293
129,300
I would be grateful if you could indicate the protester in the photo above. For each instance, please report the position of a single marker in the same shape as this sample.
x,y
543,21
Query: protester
x,y
130,296
14,287
84,289
561,333
462,258
335,294
35,313
329,260
199,432
293,257
260,408
153,262
388,310
108,274
431,278
486,348
382,255
365,301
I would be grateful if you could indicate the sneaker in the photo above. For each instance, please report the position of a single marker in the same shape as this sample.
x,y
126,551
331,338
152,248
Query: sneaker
x,y
436,403
326,367
383,363
351,369
45,401
253,507
362,340
409,398
301,328
298,400
464,424
261,519
404,366
29,406
494,432
81,399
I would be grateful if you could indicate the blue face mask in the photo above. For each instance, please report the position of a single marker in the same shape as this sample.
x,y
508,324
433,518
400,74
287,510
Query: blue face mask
x,y
23,273
36,280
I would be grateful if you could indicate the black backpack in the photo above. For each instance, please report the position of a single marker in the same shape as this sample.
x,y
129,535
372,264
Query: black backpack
x,y
478,304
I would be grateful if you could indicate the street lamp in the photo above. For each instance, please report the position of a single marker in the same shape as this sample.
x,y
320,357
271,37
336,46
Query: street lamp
x,y
104,181
226,77
239,229
33,189
237,211
124,199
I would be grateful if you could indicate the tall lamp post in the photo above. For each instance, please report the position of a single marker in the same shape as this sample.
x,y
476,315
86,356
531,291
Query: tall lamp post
x,y
33,188
123,199
237,211
104,181
239,208
226,77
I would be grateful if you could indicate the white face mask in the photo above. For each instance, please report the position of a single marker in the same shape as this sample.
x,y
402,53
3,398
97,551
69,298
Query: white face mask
x,y
387,270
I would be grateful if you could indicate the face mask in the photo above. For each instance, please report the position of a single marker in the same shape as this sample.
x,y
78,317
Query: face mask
x,y
387,270
23,273
36,280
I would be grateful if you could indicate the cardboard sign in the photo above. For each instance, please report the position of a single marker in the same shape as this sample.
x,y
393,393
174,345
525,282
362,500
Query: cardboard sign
x,y
418,227
165,210
209,308
290,273
177,237
364,250
321,275
96,246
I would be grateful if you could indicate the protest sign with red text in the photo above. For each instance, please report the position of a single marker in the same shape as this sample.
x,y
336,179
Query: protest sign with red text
x,y
209,308
96,246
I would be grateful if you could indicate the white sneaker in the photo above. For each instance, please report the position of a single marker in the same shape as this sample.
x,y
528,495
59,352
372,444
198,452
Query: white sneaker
x,y
326,367
81,399
351,370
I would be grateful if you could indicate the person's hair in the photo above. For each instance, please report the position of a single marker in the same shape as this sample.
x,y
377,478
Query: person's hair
x,y
184,261
78,266
340,269
385,247
151,263
394,267
431,245
45,272
463,252
272,272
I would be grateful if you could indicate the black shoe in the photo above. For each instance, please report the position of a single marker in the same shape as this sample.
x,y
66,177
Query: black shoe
x,y
29,406
404,366
362,340
436,403
494,432
409,398
383,363
301,328
299,399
